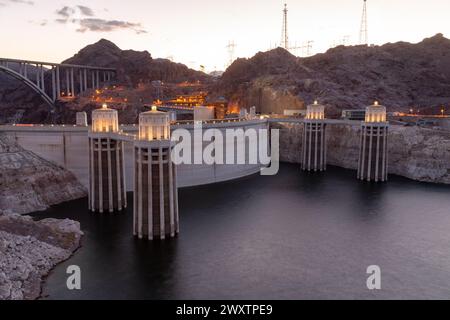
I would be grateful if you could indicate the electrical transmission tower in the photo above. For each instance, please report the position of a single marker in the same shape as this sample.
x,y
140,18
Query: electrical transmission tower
x,y
231,46
363,33
307,48
284,32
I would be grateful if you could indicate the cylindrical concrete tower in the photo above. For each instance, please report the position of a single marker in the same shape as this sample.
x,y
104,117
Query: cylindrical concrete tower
x,y
107,190
373,158
155,214
314,149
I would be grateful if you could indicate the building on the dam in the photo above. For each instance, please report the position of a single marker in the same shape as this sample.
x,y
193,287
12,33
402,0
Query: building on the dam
x,y
155,213
314,149
107,191
373,158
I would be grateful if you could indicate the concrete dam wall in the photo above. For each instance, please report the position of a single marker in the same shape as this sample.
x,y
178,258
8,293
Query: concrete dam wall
x,y
417,153
413,152
68,146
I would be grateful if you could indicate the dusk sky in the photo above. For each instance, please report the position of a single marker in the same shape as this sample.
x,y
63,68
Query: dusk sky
x,y
196,32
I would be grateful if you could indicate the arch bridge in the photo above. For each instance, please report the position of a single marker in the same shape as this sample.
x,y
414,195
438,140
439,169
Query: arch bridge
x,y
54,80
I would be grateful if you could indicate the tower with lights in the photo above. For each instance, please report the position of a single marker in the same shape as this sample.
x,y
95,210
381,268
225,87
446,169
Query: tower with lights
x,y
373,152
155,214
107,190
314,151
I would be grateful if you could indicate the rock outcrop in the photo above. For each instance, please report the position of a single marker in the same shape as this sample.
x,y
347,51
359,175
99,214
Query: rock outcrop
x,y
401,75
134,67
29,250
417,153
29,183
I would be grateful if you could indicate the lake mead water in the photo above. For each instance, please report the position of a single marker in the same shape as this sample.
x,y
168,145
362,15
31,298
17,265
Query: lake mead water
x,y
290,236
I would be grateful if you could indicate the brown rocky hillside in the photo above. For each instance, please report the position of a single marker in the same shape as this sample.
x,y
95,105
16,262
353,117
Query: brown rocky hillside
x,y
401,75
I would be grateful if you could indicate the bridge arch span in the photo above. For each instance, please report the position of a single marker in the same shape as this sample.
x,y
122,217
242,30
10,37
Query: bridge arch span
x,y
29,83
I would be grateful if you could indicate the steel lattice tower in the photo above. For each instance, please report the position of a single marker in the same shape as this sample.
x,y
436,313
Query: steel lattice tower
x,y
363,33
231,46
284,31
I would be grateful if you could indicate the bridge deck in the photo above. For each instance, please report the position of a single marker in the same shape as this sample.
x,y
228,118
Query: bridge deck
x,y
67,65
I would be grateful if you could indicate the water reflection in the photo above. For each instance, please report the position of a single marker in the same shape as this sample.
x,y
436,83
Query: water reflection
x,y
294,235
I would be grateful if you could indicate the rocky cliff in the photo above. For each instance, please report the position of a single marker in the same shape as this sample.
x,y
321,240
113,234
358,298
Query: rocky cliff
x,y
401,75
416,153
29,183
29,250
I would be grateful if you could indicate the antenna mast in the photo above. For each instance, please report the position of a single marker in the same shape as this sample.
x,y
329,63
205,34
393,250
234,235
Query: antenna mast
x,y
363,33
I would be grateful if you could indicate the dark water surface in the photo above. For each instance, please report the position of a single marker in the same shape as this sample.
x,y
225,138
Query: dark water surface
x,y
290,236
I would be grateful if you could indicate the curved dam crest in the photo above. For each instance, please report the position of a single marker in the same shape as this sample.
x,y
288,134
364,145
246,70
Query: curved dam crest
x,y
417,153
68,146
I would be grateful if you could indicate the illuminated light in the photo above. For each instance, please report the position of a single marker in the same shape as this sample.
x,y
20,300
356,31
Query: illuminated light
x,y
315,111
105,120
375,103
375,113
154,125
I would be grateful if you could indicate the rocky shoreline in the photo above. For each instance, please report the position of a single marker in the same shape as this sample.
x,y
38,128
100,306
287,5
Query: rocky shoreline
x,y
30,183
30,249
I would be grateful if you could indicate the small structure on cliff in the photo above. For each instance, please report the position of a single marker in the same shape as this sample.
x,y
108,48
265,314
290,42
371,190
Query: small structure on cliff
x,y
314,149
155,213
106,165
81,119
373,161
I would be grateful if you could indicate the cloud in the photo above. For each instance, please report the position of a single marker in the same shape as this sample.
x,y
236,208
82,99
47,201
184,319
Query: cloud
x,y
71,15
6,2
65,12
23,1
101,25
86,11
41,23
